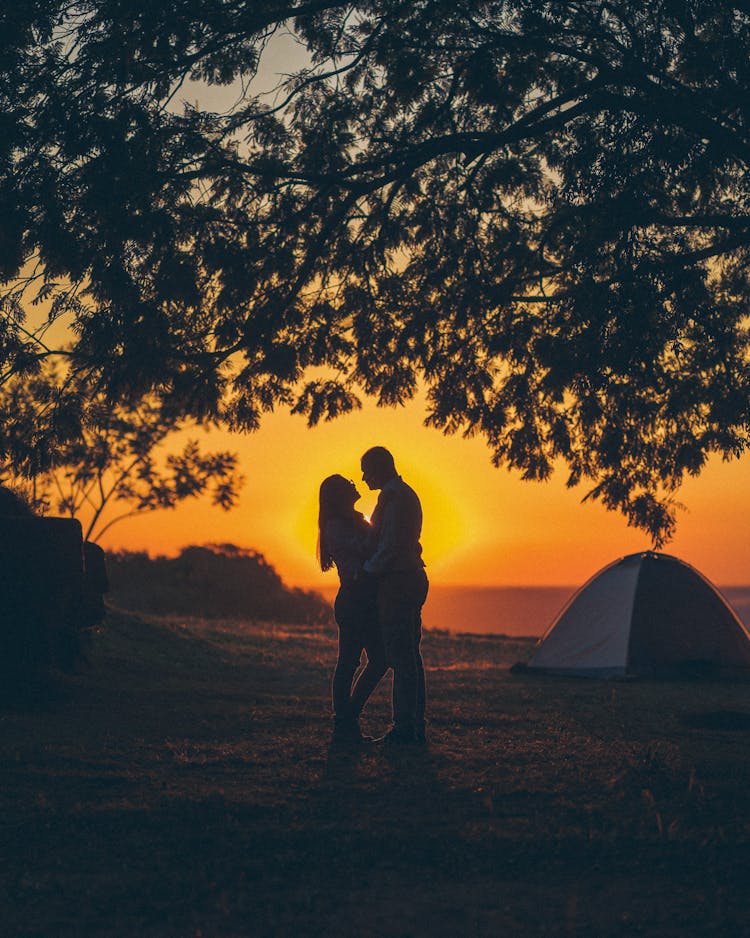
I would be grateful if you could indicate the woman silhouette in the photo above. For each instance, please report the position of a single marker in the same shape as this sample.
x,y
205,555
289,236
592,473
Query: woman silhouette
x,y
343,541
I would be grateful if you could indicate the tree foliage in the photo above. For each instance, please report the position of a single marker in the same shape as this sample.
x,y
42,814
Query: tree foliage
x,y
537,209
102,463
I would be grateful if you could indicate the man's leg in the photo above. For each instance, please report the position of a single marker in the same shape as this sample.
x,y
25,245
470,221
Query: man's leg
x,y
421,688
368,680
394,613
400,599
421,587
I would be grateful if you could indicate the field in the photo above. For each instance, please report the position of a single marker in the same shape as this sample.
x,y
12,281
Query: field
x,y
182,785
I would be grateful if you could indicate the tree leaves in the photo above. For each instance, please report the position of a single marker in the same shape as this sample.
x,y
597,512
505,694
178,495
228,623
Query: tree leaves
x,y
541,212
75,453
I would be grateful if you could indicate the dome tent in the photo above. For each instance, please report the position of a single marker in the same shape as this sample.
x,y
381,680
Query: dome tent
x,y
644,614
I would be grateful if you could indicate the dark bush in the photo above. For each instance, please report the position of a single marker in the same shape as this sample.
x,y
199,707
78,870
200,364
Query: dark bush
x,y
216,580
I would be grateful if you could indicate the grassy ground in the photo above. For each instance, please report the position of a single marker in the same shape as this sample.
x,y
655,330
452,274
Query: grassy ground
x,y
183,786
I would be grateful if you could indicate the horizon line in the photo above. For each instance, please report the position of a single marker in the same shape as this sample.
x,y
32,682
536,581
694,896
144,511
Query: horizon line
x,y
491,586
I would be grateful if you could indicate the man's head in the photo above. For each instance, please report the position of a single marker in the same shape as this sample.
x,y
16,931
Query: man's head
x,y
378,467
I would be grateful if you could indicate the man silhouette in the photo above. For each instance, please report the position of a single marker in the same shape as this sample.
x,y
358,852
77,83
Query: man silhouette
x,y
397,563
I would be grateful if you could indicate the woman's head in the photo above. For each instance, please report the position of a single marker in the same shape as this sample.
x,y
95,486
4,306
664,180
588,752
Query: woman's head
x,y
337,498
338,495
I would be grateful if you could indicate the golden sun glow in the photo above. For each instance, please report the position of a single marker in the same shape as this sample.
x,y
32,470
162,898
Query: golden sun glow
x,y
481,525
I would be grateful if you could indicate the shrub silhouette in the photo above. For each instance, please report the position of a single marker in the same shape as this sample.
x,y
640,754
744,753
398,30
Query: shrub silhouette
x,y
214,580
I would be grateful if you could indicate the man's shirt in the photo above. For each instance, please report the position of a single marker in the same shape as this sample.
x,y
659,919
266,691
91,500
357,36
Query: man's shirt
x,y
397,526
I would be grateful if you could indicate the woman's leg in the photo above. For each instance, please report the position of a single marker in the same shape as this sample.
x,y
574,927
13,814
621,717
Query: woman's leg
x,y
377,665
346,608
350,652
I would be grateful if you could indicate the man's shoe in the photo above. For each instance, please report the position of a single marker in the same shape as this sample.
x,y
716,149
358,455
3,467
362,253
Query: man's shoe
x,y
401,737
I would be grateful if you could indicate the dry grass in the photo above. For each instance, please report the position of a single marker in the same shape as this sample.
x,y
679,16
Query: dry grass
x,y
183,786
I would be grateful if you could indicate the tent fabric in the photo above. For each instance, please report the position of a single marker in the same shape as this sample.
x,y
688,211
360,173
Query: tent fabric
x,y
644,614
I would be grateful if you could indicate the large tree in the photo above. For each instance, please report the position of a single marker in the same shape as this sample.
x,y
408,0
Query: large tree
x,y
538,209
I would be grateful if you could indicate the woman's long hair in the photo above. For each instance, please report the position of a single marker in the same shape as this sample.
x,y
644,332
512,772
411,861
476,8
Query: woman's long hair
x,y
334,502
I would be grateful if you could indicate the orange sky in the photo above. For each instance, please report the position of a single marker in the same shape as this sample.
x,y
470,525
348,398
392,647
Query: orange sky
x,y
482,525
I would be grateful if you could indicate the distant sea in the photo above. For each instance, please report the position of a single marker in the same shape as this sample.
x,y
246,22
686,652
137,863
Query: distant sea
x,y
517,610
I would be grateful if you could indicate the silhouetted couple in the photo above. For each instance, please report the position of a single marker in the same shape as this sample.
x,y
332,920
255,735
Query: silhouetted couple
x,y
378,608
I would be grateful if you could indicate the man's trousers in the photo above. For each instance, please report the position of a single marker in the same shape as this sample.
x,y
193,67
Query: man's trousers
x,y
400,600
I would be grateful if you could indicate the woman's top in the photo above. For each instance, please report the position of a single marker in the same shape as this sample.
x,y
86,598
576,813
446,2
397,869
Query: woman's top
x,y
348,544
